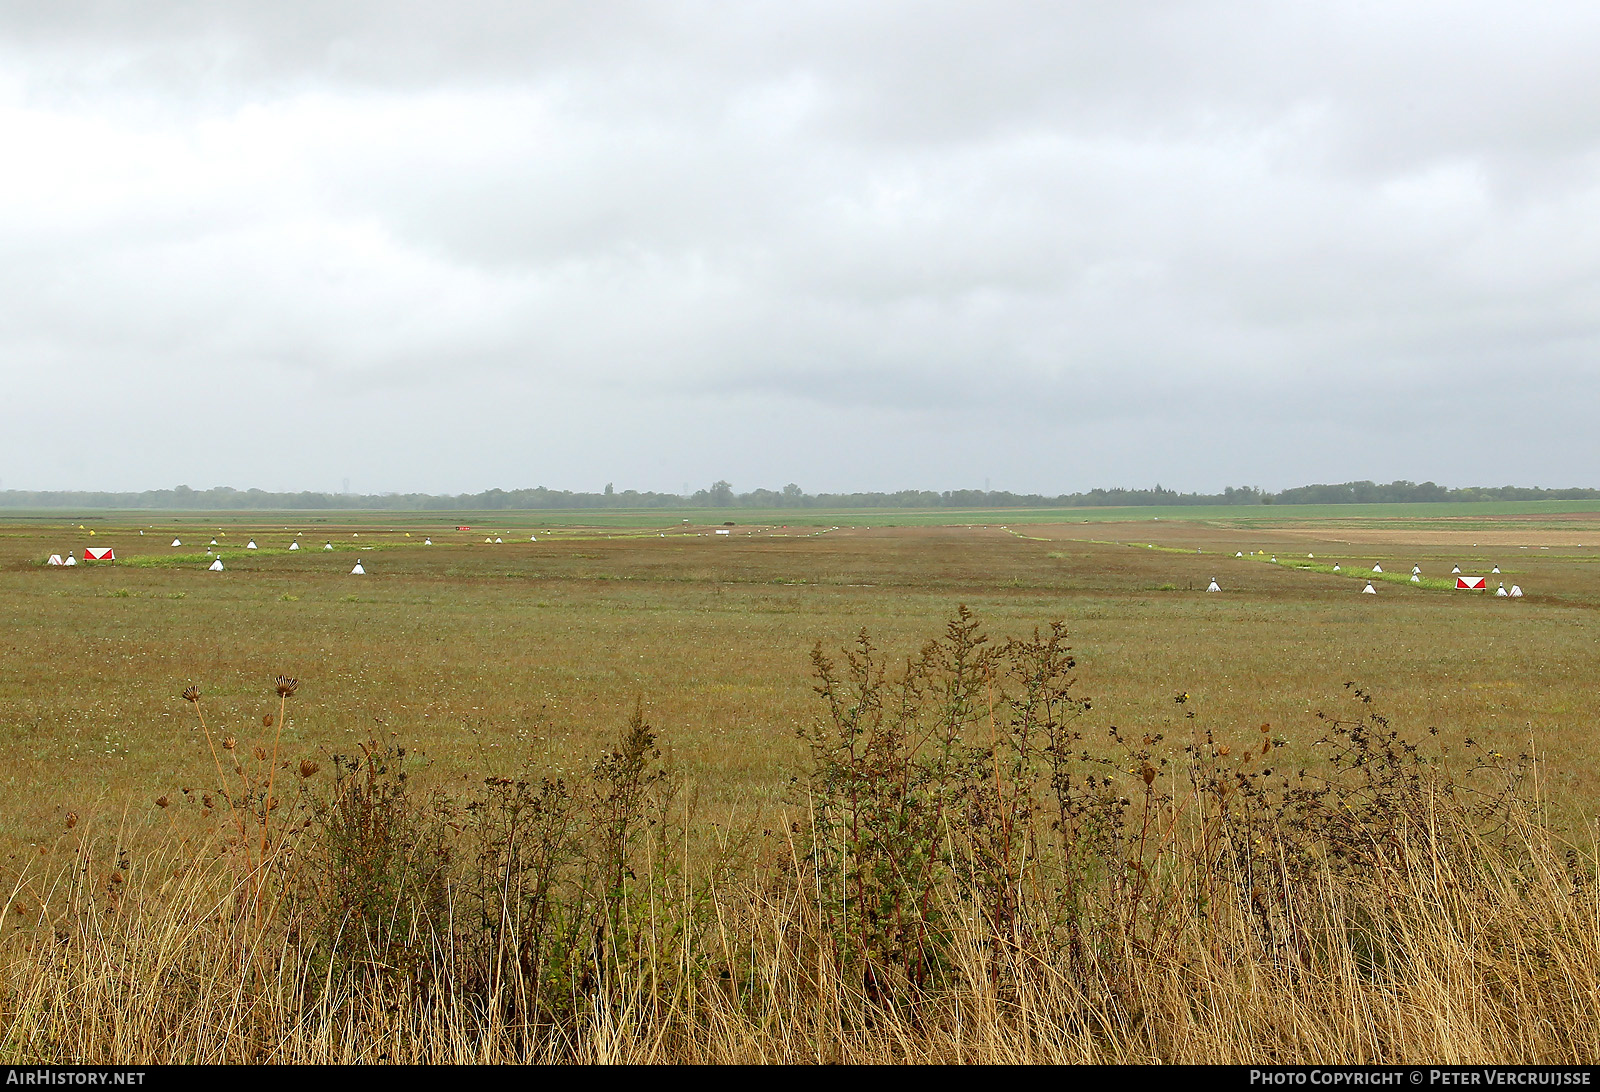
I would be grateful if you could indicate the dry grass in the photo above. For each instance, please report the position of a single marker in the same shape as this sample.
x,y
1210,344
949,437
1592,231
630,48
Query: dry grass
x,y
142,934
1102,905
1456,963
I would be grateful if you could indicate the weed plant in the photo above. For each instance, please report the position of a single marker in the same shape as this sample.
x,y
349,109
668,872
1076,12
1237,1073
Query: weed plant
x,y
972,871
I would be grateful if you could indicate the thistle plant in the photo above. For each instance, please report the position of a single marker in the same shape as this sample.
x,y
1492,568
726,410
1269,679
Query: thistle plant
x,y
249,792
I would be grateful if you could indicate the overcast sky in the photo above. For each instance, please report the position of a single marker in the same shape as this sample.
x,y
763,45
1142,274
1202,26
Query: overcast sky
x,y
862,245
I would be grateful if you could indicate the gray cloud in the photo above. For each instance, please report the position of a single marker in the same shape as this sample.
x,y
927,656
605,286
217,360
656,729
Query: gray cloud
x,y
444,247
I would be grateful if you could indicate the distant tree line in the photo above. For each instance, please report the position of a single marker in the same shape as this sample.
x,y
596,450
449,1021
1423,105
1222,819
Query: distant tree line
x,y
1412,493
721,495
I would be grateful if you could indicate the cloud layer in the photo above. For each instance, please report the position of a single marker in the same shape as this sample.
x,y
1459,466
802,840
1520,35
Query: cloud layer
x,y
449,247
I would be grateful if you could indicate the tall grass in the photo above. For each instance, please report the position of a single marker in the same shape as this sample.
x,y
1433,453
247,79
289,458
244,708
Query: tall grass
x,y
969,873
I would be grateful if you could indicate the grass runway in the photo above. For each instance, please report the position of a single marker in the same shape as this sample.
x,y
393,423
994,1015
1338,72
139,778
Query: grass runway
x,y
485,656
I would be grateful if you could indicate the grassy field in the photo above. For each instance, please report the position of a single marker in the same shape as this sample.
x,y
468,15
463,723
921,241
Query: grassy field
x,y
482,653
1385,917
1265,515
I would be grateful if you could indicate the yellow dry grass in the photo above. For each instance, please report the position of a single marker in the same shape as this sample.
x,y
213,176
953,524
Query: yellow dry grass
x,y
485,657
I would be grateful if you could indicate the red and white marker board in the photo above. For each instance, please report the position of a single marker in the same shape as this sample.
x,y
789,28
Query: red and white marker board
x,y
90,553
1471,583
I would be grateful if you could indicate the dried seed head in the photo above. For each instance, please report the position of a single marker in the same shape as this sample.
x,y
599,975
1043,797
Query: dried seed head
x,y
192,694
261,754
287,686
267,720
1148,772
162,801
116,877
1224,750
72,819
229,744
307,767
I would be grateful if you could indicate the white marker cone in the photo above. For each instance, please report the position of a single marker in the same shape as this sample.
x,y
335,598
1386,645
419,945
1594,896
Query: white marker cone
x,y
1213,587
216,566
327,545
1369,589
1377,568
294,545
251,545
1516,592
175,542
358,570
